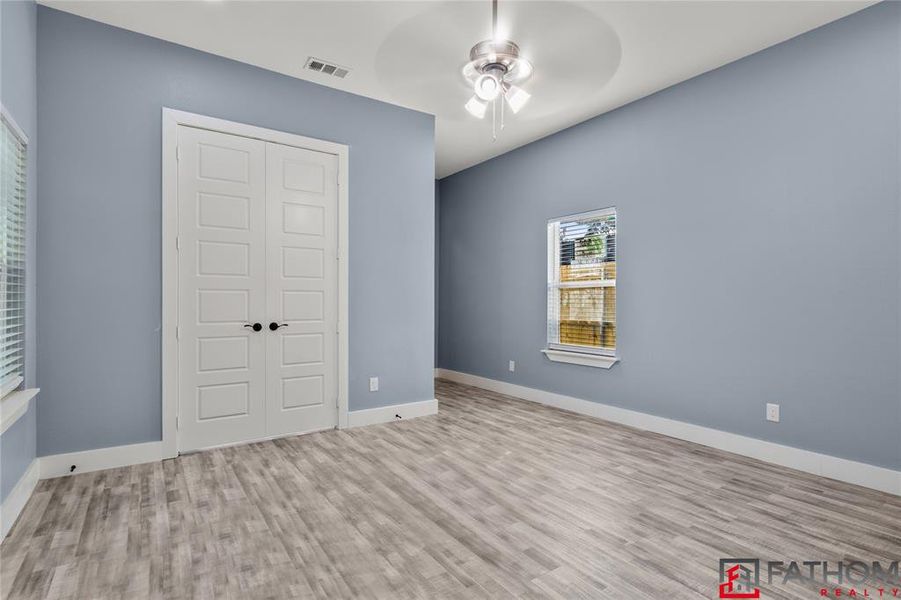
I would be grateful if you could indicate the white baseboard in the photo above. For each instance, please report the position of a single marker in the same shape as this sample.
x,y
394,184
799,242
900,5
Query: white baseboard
x,y
385,414
878,478
58,465
14,503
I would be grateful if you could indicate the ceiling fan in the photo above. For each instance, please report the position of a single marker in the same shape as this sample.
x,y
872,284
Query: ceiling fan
x,y
494,69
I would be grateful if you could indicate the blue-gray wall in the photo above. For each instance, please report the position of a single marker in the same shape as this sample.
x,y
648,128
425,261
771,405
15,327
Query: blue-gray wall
x,y
758,211
17,450
18,21
100,95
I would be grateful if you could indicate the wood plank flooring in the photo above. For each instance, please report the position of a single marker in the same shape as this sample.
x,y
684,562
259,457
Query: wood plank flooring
x,y
492,498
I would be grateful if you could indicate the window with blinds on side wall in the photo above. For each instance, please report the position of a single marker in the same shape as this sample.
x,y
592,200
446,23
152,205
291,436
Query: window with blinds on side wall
x,y
582,283
12,259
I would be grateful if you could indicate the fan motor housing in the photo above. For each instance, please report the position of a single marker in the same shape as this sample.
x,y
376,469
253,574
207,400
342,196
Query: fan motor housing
x,y
497,56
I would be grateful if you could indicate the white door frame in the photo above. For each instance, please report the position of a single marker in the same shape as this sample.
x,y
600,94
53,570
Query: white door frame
x,y
171,120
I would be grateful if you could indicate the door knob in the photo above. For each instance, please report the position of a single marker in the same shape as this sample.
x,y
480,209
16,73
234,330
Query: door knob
x,y
255,326
273,326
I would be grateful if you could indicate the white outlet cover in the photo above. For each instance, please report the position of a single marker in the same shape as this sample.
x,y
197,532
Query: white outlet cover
x,y
772,412
512,365
373,384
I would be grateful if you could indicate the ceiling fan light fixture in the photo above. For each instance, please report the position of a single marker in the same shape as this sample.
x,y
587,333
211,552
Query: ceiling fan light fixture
x,y
516,97
494,68
476,107
488,86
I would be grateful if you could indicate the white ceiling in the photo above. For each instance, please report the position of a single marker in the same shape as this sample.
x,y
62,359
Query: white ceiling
x,y
590,57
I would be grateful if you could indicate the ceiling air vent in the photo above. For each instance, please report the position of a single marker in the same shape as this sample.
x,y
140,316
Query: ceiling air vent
x,y
322,66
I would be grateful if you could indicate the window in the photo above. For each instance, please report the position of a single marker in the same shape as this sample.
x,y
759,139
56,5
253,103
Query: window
x,y
581,322
12,257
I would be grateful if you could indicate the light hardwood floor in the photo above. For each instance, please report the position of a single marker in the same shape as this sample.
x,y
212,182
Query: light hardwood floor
x,y
493,497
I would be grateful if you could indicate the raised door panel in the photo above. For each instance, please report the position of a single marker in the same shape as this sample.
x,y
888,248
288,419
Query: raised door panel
x,y
302,349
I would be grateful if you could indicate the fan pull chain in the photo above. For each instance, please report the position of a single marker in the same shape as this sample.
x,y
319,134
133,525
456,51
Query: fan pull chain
x,y
494,120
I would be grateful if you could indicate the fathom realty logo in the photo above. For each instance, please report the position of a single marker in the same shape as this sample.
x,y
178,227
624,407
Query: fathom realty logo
x,y
739,578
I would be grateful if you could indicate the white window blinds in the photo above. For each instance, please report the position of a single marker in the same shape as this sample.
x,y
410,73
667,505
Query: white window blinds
x,y
582,283
12,258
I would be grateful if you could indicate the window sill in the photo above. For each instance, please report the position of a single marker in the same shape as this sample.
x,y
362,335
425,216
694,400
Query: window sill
x,y
14,405
581,358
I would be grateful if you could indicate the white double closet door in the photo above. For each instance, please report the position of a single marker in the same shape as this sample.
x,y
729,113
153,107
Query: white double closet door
x,y
257,244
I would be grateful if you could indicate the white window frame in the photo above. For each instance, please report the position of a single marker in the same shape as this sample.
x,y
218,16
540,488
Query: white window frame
x,y
14,402
13,384
579,355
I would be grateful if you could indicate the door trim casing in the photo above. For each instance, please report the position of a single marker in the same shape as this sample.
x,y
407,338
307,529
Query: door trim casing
x,y
172,119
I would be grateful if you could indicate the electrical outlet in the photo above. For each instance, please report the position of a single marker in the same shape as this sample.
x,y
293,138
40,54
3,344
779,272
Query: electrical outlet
x,y
373,384
772,412
512,365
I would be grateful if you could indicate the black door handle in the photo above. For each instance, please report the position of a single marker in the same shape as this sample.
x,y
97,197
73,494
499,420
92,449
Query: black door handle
x,y
273,326
255,326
